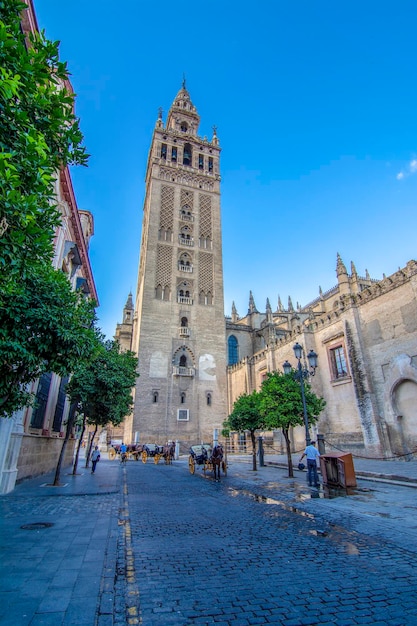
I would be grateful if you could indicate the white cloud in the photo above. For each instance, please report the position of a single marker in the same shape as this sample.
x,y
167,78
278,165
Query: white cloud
x,y
410,169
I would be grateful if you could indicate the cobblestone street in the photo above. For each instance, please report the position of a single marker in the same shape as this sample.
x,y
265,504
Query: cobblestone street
x,y
223,553
154,545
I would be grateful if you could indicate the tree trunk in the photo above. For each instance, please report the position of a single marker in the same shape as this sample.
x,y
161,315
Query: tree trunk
x,y
253,439
70,424
74,467
288,446
87,460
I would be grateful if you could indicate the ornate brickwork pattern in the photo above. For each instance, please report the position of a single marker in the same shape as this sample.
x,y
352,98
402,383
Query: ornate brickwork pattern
x,y
187,198
205,273
163,274
205,217
182,178
166,218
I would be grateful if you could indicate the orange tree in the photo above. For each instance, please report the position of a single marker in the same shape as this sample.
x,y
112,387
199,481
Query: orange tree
x,y
43,325
281,406
246,416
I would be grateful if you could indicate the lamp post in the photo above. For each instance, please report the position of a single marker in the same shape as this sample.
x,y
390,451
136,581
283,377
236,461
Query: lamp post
x,y
300,373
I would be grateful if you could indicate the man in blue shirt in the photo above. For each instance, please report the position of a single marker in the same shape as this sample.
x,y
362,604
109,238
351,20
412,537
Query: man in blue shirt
x,y
312,455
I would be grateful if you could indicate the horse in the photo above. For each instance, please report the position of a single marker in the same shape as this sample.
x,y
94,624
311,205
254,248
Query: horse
x,y
168,452
216,460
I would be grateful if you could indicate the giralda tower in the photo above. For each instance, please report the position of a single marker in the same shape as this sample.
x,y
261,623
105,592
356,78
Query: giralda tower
x,y
179,325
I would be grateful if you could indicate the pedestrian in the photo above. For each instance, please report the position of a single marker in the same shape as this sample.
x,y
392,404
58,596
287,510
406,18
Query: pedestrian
x,y
312,455
123,451
95,458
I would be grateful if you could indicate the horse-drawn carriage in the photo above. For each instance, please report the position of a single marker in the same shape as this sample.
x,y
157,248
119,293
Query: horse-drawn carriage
x,y
166,452
211,459
144,451
133,451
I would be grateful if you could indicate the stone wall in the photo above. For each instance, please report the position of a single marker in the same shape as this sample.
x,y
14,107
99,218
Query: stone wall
x,y
39,455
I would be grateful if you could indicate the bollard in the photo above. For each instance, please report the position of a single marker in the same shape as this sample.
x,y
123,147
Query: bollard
x,y
177,450
261,451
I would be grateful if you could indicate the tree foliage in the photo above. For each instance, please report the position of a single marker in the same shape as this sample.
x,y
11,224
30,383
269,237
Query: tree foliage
x,y
282,407
39,134
44,327
246,416
102,388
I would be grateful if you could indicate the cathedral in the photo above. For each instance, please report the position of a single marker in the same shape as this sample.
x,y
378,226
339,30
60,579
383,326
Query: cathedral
x,y
194,363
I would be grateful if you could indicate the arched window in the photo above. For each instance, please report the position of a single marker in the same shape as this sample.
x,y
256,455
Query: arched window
x,y
233,349
155,397
184,127
183,361
182,396
184,322
209,399
187,158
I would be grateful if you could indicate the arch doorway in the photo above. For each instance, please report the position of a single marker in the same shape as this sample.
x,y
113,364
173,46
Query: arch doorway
x,y
405,401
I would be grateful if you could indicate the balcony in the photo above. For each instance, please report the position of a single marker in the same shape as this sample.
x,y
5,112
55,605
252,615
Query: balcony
x,y
184,331
184,300
185,268
186,217
185,242
177,370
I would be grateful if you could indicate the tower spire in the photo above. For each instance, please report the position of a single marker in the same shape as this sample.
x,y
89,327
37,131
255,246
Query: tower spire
x,y
252,305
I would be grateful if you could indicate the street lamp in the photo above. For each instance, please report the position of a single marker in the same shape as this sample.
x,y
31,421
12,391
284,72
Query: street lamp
x,y
300,373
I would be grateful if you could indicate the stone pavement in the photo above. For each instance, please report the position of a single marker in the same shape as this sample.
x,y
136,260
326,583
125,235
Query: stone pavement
x,y
61,546
58,547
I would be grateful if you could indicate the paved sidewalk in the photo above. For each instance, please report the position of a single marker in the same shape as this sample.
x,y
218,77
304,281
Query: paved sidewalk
x,y
402,472
58,547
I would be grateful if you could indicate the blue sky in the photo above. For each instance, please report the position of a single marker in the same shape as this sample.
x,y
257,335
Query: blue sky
x,y
316,109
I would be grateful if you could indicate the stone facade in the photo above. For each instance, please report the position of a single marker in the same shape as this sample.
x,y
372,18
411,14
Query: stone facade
x,y
178,328
364,332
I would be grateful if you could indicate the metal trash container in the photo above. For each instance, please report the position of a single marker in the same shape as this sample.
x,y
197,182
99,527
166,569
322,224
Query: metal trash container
x,y
337,469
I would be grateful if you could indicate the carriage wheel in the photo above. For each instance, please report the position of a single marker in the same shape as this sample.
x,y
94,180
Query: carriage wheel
x,y
224,467
144,456
191,464
156,458
112,454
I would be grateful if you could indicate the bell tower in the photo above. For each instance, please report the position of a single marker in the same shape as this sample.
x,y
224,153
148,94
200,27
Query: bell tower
x,y
179,325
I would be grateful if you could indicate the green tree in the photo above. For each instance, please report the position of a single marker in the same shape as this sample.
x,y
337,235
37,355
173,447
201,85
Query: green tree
x,y
282,407
39,134
102,389
246,416
44,327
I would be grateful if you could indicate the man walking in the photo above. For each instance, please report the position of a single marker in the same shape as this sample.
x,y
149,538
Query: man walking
x,y
312,455
95,457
